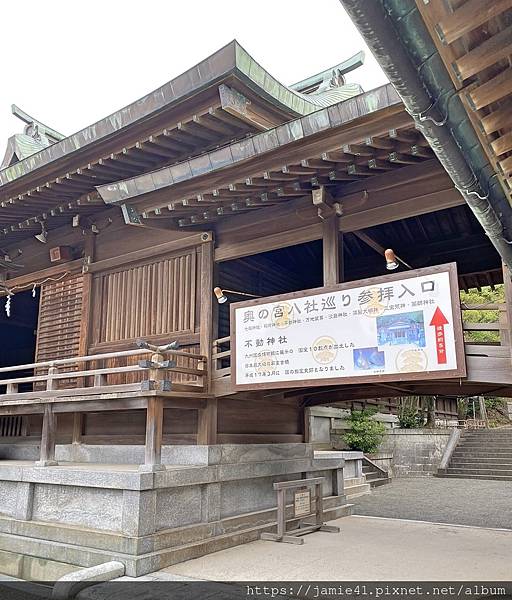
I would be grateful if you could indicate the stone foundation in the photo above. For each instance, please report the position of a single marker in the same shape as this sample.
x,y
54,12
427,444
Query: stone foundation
x,y
219,496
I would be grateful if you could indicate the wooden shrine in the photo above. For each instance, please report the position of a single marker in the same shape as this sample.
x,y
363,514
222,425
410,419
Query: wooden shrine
x,y
223,178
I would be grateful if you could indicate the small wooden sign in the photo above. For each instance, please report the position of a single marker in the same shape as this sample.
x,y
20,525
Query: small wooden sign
x,y
302,503
60,254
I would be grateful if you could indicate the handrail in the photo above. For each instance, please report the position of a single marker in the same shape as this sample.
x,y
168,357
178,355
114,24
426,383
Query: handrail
x,y
373,464
92,357
157,367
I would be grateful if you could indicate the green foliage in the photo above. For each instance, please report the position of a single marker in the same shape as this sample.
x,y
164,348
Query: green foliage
x,y
497,404
409,414
409,418
365,433
485,296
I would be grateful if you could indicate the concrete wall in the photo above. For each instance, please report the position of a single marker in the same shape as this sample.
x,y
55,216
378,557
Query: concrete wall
x,y
412,452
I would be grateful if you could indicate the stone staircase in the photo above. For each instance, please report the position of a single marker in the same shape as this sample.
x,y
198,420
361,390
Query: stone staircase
x,y
482,454
374,476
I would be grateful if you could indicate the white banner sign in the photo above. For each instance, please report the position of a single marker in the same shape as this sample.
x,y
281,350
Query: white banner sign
x,y
397,327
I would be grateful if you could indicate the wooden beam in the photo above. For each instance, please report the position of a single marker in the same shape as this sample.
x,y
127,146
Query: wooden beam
x,y
360,212
167,247
236,104
502,144
324,203
494,49
364,237
381,199
506,165
496,88
73,266
497,119
469,16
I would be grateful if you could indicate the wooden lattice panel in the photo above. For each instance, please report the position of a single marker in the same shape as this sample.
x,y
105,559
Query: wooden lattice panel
x,y
146,300
60,320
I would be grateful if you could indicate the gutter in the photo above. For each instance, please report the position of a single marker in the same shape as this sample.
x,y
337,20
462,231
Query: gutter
x,y
396,34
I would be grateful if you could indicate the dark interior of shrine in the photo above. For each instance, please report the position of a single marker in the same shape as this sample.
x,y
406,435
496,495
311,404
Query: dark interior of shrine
x,y
421,241
18,331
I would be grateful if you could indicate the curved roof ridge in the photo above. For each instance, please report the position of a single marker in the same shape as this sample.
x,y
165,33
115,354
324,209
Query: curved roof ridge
x,y
231,59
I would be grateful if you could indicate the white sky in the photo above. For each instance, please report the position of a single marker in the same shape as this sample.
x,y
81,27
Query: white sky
x,y
69,64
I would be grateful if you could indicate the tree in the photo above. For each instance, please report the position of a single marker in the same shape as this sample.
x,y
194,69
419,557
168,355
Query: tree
x,y
409,415
365,433
430,408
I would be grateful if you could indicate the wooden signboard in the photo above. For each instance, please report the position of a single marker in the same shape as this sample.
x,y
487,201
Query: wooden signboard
x,y
302,503
398,327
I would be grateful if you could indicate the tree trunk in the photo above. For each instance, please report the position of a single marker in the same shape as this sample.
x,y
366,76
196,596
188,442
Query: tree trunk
x,y
431,411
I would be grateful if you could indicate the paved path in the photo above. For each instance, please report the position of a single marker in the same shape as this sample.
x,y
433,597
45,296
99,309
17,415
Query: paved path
x,y
474,502
366,549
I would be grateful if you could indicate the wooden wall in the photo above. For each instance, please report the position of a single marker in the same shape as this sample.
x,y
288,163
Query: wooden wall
x,y
251,419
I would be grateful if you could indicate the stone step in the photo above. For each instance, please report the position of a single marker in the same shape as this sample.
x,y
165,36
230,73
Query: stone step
x,y
369,469
483,457
479,465
468,476
373,475
487,447
380,481
488,432
482,453
354,491
487,436
488,440
479,471
488,460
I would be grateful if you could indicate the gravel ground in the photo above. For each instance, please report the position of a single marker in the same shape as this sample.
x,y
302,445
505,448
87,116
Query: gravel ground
x,y
474,502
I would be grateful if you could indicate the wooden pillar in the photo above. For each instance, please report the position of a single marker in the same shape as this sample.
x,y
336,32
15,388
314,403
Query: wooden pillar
x,y
207,423
78,421
329,211
308,424
341,257
206,316
506,316
154,431
207,418
48,437
85,326
331,250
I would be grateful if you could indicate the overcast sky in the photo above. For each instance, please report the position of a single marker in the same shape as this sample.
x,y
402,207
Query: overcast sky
x,y
69,64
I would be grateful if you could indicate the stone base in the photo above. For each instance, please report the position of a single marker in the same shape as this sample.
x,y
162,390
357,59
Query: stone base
x,y
85,515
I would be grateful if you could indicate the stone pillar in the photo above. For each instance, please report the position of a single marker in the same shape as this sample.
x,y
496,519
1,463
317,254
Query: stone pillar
x,y
24,501
210,502
338,483
139,512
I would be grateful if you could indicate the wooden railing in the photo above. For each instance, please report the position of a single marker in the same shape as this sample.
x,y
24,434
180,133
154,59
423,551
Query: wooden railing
x,y
155,392
56,378
221,358
498,329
